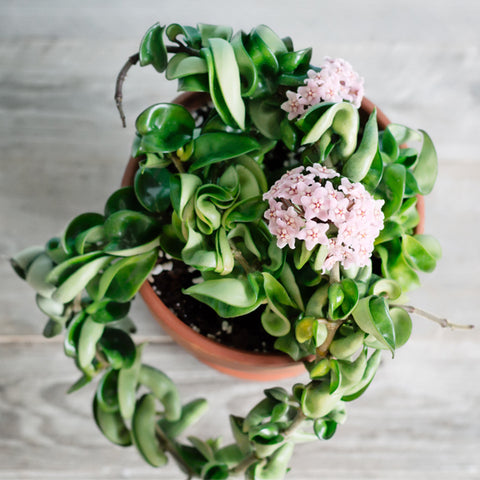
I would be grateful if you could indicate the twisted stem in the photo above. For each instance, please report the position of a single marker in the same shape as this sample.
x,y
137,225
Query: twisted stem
x,y
443,322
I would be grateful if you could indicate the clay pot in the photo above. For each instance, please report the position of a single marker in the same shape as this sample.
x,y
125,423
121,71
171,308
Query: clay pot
x,y
238,363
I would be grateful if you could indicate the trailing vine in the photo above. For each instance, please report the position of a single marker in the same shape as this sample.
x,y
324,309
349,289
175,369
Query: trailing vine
x,y
285,203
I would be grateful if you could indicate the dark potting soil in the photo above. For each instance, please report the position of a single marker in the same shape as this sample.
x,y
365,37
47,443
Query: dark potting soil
x,y
245,332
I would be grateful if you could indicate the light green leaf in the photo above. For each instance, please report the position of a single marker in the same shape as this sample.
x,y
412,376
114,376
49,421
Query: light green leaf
x,y
229,297
358,165
426,168
341,117
228,76
75,283
122,280
182,65
215,147
372,316
421,251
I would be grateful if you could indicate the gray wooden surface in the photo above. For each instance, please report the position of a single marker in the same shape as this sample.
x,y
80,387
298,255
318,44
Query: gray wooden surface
x,y
62,151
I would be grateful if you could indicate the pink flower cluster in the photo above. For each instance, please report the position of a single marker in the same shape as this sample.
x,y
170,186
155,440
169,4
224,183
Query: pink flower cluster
x,y
305,205
335,82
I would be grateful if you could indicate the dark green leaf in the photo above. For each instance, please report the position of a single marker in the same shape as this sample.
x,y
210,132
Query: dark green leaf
x,y
211,148
191,35
123,199
118,348
392,188
152,187
291,62
122,280
164,127
79,224
126,229
106,393
152,49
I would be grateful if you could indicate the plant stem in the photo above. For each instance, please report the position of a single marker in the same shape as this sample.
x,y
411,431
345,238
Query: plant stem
x,y
177,162
332,328
133,60
170,447
252,458
443,322
335,273
237,254
244,464
297,421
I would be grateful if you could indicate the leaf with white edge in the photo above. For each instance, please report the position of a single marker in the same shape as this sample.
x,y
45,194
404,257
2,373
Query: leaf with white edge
x,y
182,65
246,67
22,261
37,273
74,284
51,308
127,230
118,348
216,147
372,315
79,224
90,333
228,77
70,343
341,117
122,280
182,189
196,254
225,257
164,127
65,269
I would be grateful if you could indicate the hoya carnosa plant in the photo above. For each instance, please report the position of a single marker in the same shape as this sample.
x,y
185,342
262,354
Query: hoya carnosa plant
x,y
286,203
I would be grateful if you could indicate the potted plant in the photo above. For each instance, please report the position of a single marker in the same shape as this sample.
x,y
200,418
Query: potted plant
x,y
271,194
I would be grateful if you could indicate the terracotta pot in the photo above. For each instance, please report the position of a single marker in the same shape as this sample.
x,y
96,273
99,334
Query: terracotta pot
x,y
228,360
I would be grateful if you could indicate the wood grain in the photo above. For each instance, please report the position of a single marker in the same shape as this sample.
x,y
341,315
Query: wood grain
x,y
63,151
